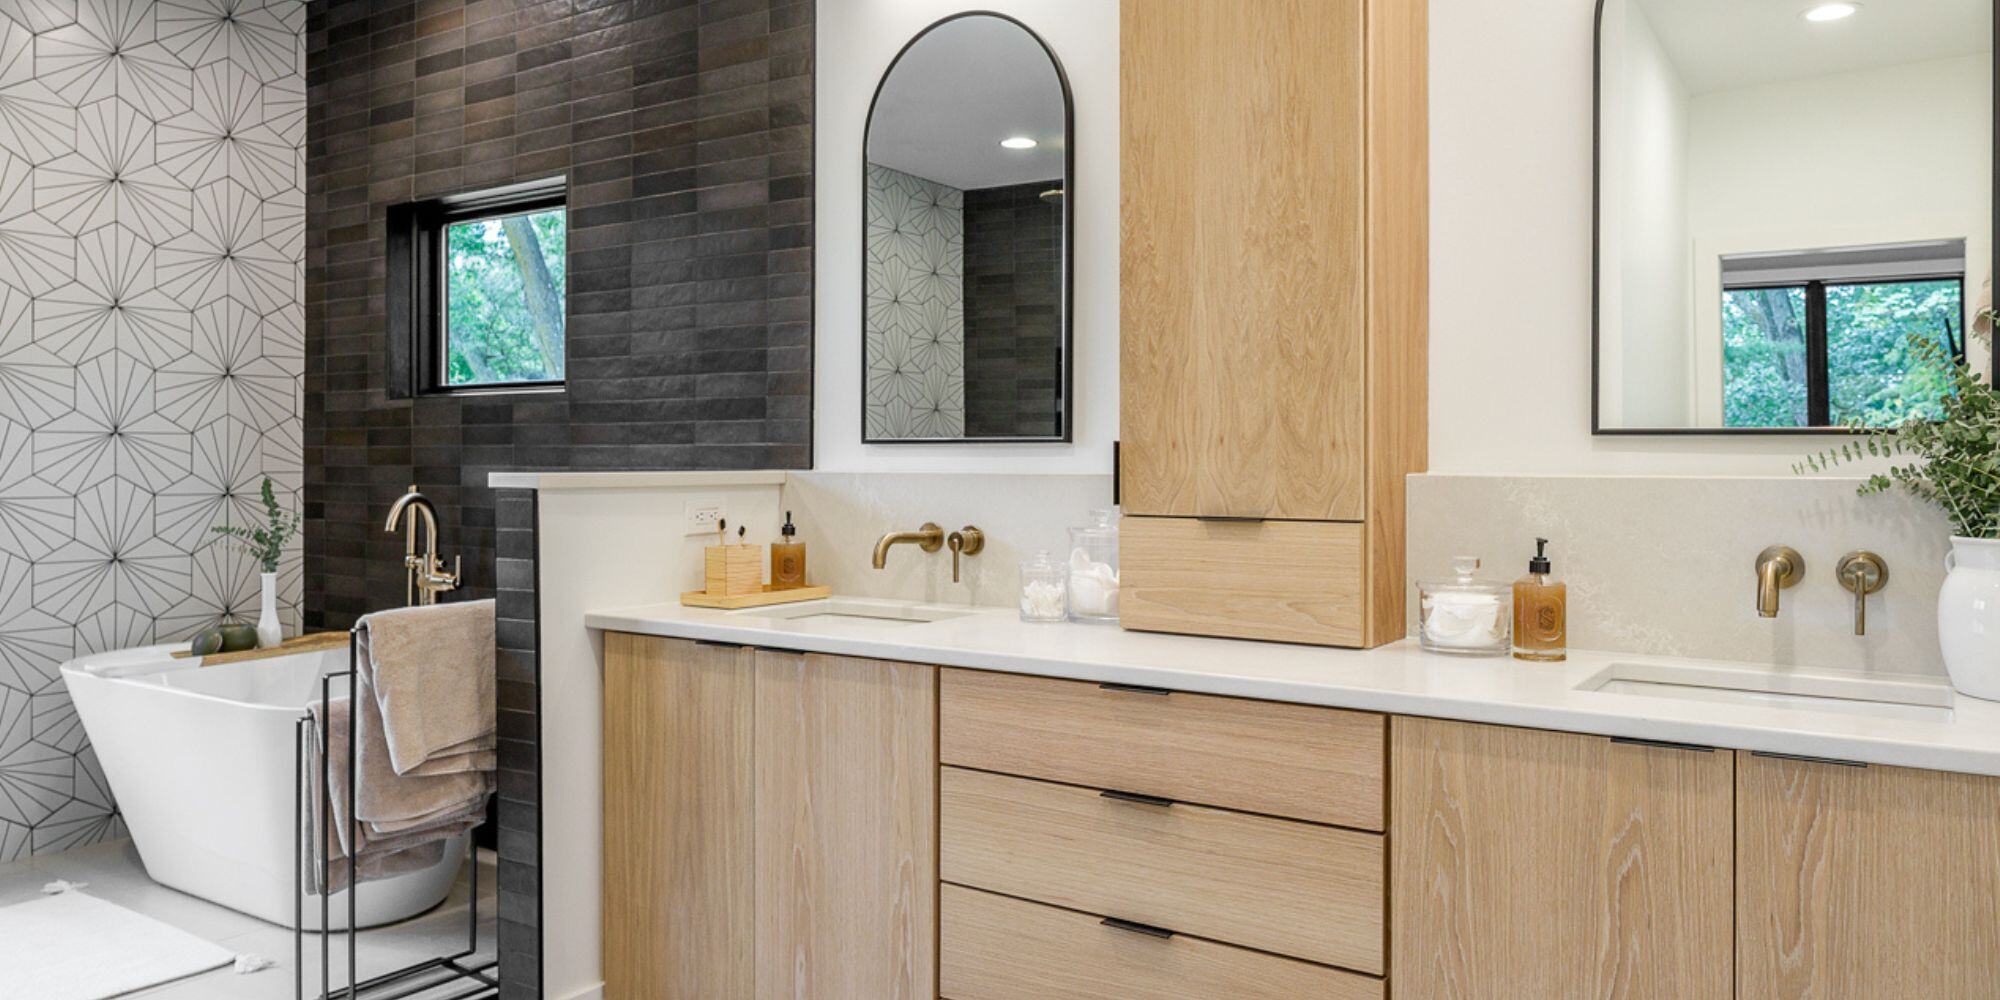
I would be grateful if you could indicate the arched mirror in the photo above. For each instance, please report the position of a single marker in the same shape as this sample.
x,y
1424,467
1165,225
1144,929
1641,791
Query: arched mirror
x,y
966,242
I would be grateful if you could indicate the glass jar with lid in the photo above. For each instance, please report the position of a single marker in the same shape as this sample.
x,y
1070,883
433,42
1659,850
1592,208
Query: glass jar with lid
x,y
1464,614
1093,568
1044,588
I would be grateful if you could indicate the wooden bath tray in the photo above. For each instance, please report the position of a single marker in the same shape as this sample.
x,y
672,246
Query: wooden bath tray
x,y
762,598
313,643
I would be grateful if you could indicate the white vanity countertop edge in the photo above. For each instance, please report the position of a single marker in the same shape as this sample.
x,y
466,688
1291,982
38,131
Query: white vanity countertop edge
x,y
1398,678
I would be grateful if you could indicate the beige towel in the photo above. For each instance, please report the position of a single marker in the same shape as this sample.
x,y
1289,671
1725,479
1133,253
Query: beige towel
x,y
431,670
428,809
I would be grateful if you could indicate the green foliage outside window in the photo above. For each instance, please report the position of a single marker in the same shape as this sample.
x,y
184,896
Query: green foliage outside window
x,y
505,283
1873,378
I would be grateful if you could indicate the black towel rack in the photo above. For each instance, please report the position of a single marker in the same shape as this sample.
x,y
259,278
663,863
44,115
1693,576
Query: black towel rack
x,y
480,978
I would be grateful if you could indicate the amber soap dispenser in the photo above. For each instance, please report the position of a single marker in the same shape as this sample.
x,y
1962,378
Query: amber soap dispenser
x,y
788,559
1540,608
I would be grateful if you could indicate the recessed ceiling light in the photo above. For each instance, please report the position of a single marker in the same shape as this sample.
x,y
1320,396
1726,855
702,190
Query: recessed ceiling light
x,y
1018,142
1832,11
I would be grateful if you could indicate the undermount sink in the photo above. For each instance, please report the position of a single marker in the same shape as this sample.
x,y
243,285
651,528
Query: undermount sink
x,y
1808,692
857,611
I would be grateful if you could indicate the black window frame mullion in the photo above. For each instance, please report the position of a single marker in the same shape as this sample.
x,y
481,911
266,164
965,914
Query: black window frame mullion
x,y
1819,378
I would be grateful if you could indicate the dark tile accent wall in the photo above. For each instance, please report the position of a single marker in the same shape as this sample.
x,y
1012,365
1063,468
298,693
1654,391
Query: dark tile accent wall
x,y
518,663
684,128
1013,311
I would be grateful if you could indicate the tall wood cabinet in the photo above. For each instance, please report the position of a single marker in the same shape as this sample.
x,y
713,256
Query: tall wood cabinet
x,y
770,824
1273,283
1540,864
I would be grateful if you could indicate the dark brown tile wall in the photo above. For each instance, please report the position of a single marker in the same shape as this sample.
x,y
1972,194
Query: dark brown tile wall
x,y
685,130
1013,311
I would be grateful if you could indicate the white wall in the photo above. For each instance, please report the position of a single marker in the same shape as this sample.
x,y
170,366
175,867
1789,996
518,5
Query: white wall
x,y
1510,256
1646,364
1889,155
857,39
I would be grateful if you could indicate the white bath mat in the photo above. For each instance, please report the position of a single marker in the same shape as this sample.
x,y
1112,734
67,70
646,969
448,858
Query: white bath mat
x,y
70,946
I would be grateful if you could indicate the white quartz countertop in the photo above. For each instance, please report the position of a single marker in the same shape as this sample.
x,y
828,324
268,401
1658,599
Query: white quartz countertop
x,y
1959,734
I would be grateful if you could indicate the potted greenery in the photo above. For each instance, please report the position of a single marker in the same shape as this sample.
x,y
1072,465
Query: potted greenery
x,y
1955,468
266,544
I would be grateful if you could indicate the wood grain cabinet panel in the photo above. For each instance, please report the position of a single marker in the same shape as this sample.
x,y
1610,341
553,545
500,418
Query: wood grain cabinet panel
x,y
679,789
1243,304
1865,882
846,841
1273,289
1300,761
999,948
770,824
1298,889
1298,581
1537,864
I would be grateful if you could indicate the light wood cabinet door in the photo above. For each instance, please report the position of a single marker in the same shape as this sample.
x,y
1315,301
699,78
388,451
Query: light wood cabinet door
x,y
1243,275
770,824
846,829
1537,864
1865,882
679,886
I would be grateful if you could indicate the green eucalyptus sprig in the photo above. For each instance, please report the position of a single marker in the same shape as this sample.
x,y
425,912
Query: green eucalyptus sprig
x,y
266,544
1957,456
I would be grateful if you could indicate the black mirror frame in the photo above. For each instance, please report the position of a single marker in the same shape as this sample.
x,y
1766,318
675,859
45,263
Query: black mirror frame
x,y
1066,384
1596,254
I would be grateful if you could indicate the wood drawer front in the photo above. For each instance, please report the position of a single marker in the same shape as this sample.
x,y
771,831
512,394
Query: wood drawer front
x,y
996,948
1298,889
1289,581
1301,761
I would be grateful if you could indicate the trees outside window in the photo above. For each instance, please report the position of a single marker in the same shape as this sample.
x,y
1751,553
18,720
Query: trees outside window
x,y
504,285
1823,353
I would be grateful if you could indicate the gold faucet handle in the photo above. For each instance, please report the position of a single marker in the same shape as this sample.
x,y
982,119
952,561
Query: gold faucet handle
x,y
1861,573
968,541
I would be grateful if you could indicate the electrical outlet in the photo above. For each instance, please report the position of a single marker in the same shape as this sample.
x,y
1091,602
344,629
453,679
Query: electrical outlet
x,y
701,516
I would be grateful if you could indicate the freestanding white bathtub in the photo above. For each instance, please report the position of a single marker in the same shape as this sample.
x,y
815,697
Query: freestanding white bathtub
x,y
202,761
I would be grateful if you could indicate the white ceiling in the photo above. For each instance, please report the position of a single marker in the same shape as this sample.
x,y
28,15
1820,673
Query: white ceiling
x,y
1727,44
957,92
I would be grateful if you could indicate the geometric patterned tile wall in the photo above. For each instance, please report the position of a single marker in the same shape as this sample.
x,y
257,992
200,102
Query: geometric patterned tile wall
x,y
914,330
152,227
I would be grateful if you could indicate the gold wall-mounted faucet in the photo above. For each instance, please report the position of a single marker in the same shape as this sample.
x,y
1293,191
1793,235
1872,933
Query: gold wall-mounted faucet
x,y
1778,567
968,541
426,573
929,538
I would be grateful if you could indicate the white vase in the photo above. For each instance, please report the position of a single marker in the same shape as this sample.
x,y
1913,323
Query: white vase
x,y
1969,616
269,633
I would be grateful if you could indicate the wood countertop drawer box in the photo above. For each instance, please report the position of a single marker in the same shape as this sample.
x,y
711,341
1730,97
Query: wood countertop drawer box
x,y
997,948
1298,889
1292,581
1304,762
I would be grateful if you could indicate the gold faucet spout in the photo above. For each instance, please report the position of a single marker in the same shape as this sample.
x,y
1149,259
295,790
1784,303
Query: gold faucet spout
x,y
1778,567
930,538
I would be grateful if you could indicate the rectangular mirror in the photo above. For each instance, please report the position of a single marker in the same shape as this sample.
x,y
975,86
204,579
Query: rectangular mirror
x,y
966,260
1786,192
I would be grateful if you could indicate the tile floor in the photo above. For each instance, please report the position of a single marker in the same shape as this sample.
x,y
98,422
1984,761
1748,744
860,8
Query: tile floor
x,y
115,874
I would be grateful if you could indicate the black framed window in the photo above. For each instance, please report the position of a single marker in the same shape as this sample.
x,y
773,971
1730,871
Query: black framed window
x,y
478,291
1812,341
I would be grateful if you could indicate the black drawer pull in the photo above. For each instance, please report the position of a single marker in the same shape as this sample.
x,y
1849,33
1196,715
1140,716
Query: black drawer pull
x,y
1137,928
1136,798
1634,741
1835,761
1229,519
1133,688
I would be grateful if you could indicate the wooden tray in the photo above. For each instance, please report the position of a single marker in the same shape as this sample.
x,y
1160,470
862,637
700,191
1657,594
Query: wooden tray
x,y
297,644
767,596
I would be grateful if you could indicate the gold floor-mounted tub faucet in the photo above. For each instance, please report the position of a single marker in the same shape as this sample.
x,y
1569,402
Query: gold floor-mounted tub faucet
x,y
426,572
